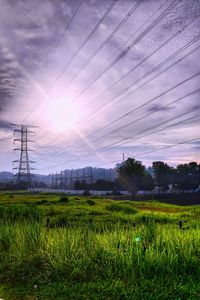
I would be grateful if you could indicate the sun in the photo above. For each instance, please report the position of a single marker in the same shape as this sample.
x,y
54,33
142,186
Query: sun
x,y
62,115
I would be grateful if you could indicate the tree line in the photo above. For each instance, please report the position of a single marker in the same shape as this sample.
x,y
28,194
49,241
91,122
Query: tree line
x,y
134,176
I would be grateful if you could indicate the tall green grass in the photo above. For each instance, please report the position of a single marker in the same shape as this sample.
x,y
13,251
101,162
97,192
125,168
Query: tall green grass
x,y
33,253
146,257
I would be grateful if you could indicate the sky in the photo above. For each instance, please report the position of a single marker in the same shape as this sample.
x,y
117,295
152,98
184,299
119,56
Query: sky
x,y
99,79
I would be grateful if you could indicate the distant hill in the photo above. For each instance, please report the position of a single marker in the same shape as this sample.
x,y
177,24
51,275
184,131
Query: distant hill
x,y
8,176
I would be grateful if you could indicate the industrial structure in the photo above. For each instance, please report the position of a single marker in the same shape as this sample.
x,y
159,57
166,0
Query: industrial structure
x,y
21,136
66,179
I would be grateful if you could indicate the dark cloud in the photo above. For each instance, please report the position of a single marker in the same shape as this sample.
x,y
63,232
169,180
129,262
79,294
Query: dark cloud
x,y
5,125
158,107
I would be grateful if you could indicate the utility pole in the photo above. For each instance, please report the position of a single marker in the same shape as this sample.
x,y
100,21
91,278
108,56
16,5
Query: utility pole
x,y
123,157
24,163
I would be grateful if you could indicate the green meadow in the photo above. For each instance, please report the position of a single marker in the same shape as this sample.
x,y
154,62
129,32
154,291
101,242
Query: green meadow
x,y
70,247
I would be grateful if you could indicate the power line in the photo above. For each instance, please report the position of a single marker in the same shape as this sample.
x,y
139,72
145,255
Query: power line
x,y
160,124
156,150
136,66
167,147
148,114
121,48
144,76
187,45
109,147
132,10
86,40
147,29
68,24
140,154
82,45
58,42
126,50
149,101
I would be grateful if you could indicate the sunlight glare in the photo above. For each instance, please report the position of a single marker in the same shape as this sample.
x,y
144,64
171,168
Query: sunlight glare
x,y
62,115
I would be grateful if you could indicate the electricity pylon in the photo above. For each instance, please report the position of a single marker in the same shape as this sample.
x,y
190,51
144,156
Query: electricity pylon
x,y
24,163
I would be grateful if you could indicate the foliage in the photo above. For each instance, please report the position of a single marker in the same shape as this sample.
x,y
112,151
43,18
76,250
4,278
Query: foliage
x,y
183,177
163,174
86,193
132,174
148,183
64,199
188,176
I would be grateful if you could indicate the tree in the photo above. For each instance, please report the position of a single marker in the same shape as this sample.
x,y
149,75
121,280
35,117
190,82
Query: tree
x,y
164,174
148,183
131,175
188,176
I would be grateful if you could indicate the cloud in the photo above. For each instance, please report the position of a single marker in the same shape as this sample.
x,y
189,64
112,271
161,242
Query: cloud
x,y
5,125
36,48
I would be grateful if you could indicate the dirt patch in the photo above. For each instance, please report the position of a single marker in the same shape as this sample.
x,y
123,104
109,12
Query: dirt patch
x,y
177,199
160,209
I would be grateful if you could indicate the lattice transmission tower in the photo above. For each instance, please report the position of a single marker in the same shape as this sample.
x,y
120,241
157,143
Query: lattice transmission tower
x,y
21,136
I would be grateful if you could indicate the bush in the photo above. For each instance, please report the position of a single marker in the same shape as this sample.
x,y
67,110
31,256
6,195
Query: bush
x,y
86,193
64,199
90,202
116,193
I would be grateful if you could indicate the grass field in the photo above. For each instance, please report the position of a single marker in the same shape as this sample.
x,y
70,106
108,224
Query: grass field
x,y
96,248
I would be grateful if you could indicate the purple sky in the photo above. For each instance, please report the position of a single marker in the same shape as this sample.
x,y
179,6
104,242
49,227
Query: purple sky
x,y
73,82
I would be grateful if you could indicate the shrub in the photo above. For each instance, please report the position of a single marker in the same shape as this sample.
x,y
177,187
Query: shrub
x,y
64,199
86,193
90,202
